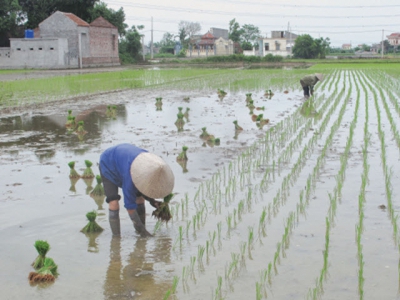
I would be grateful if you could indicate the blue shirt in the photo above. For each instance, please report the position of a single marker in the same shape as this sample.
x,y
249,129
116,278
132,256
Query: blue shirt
x,y
115,165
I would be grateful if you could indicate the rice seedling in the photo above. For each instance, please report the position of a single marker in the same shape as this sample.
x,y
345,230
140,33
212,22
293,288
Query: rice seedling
x,y
200,254
163,212
111,111
237,127
98,189
175,282
183,156
167,295
248,98
221,93
47,273
251,105
73,173
204,134
42,247
88,173
92,226
70,124
81,129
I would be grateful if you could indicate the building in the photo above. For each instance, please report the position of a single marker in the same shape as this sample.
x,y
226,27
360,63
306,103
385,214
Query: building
x,y
280,43
63,40
394,39
210,44
346,46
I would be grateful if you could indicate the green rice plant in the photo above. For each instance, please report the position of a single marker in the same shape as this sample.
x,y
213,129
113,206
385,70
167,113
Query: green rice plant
x,y
167,295
237,127
217,295
42,247
92,226
88,173
81,129
98,189
70,124
73,173
248,98
200,254
259,295
175,282
204,134
47,273
157,226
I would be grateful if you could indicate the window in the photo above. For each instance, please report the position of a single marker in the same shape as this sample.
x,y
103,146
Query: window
x,y
113,42
18,49
51,48
266,46
40,48
31,49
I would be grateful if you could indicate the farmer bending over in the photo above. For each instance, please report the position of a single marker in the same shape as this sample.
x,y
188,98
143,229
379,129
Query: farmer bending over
x,y
308,82
141,175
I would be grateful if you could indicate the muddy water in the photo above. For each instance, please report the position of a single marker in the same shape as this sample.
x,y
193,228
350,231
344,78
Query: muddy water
x,y
39,201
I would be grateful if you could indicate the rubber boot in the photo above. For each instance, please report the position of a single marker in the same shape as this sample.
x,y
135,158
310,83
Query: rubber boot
x,y
137,223
141,210
113,217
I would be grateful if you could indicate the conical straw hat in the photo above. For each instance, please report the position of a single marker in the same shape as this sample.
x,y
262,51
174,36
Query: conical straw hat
x,y
319,76
152,176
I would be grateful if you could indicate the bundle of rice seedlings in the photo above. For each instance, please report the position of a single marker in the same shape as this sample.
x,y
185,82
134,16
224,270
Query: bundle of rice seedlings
x,y
248,97
98,189
163,213
180,122
204,134
251,104
73,173
47,273
237,127
182,156
42,247
70,120
92,226
88,173
221,93
111,111
81,129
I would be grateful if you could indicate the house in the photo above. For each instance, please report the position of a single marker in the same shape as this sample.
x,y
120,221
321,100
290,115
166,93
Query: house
x,y
346,46
394,39
63,40
210,44
280,43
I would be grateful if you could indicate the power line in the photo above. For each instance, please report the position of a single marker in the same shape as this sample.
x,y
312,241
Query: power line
x,y
249,14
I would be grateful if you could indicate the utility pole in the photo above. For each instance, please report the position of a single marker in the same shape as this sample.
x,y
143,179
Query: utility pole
x,y
143,48
382,45
151,43
290,39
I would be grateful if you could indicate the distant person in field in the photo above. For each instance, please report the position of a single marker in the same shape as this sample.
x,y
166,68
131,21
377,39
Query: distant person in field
x,y
141,175
308,82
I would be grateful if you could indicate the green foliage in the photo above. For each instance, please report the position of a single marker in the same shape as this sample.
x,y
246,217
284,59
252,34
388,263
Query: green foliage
x,y
92,226
235,31
306,47
250,34
10,16
42,247
117,18
130,46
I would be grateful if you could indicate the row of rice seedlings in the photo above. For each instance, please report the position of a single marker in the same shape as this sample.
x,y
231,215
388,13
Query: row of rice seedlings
x,y
310,186
239,209
317,291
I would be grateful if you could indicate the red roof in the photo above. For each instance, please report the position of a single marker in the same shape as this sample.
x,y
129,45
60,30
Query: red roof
x,y
101,22
78,21
394,35
207,39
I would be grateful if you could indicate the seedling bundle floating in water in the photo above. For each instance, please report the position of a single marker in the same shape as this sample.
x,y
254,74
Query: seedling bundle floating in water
x,y
88,173
47,273
182,156
81,130
237,127
111,111
45,266
163,212
70,120
92,226
73,173
42,247
98,189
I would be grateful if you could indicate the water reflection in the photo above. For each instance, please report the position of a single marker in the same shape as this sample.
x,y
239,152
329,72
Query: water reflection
x,y
308,110
46,133
138,278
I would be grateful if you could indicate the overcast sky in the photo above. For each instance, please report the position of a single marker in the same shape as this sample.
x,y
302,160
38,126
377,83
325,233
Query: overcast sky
x,y
343,21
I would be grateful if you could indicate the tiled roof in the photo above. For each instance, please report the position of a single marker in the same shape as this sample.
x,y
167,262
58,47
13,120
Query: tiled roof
x,y
101,22
394,35
78,21
208,35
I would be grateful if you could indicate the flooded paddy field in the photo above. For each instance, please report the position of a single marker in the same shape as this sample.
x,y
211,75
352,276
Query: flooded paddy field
x,y
305,206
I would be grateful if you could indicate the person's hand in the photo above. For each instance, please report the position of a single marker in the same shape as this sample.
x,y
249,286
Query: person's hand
x,y
155,203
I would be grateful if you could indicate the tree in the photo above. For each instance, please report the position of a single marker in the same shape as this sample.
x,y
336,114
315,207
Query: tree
x,y
167,43
38,10
117,18
306,47
234,31
10,19
130,46
187,30
250,33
